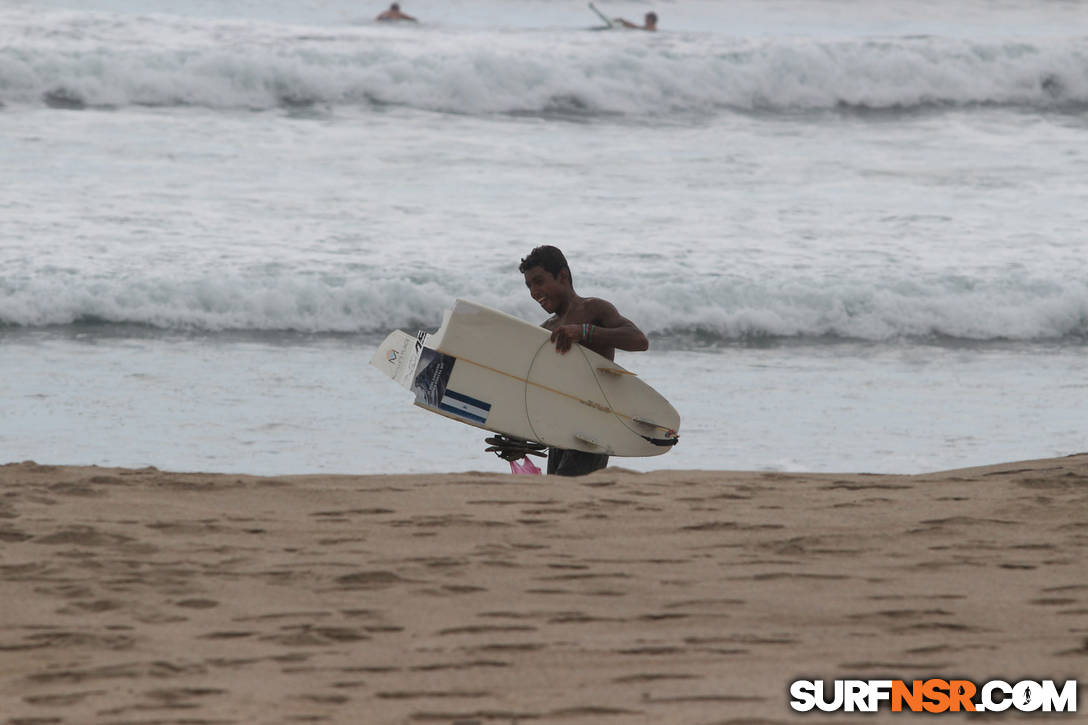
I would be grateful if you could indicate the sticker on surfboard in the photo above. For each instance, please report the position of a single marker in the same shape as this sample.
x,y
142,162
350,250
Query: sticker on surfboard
x,y
431,386
398,356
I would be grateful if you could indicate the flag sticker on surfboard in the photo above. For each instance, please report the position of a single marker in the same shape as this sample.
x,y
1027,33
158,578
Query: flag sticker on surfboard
x,y
465,406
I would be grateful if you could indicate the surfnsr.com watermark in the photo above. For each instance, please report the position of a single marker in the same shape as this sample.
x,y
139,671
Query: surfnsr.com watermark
x,y
933,696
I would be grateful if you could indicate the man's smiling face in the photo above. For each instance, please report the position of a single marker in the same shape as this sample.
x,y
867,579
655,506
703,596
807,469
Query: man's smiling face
x,y
547,290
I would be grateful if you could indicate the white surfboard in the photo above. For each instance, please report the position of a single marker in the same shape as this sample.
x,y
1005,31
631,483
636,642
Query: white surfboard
x,y
607,23
491,370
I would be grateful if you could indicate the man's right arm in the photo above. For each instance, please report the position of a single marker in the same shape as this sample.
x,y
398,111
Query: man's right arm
x,y
609,329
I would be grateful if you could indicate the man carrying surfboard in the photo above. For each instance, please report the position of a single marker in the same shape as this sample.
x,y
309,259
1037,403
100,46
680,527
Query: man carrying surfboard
x,y
589,321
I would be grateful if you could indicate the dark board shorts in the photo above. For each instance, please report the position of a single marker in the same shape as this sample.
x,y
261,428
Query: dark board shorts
x,y
562,462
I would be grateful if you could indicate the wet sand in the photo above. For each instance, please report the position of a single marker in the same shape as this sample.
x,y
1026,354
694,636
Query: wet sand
x,y
143,596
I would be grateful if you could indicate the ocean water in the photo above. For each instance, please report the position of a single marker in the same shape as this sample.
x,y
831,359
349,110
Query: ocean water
x,y
856,233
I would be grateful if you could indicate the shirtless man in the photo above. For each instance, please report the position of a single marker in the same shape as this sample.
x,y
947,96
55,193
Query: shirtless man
x,y
591,321
394,13
651,23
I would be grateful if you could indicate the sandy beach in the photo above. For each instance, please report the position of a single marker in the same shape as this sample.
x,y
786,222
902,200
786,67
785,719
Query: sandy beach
x,y
143,596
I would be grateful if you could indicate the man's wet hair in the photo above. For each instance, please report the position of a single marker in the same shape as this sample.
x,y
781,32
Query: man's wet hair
x,y
547,257
651,16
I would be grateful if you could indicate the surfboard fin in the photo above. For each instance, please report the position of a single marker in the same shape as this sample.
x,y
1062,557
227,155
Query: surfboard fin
x,y
586,438
616,371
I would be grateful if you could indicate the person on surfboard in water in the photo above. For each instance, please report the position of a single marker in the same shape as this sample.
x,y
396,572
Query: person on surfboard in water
x,y
590,321
394,13
650,20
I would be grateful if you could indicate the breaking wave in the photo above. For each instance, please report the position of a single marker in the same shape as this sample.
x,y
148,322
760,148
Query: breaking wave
x,y
686,313
84,60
